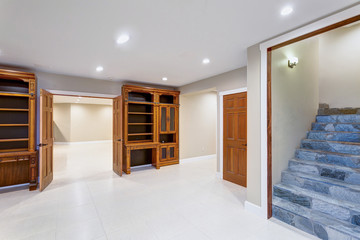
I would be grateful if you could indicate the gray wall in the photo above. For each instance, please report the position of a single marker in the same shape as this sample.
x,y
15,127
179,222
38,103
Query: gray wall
x,y
295,100
52,81
223,82
253,126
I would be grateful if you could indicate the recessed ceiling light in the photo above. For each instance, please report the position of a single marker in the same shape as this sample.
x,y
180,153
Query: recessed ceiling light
x,y
99,68
286,10
164,78
206,61
123,39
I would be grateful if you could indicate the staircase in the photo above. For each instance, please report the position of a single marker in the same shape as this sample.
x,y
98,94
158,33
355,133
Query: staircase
x,y
319,193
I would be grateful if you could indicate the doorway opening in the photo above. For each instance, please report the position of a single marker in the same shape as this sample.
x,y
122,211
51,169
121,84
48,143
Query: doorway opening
x,y
82,128
79,137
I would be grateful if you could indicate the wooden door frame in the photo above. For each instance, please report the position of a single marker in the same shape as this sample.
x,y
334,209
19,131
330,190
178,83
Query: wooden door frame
x,y
221,102
324,25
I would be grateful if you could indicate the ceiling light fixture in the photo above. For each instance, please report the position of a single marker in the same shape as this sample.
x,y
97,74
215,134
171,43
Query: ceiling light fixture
x,y
286,10
164,79
123,39
99,68
206,61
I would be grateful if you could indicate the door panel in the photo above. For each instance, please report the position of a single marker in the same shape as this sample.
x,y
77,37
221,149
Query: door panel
x,y
46,139
163,120
171,152
163,153
235,138
117,135
172,119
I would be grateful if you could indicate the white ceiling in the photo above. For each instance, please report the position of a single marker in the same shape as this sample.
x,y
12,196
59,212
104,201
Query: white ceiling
x,y
167,37
82,100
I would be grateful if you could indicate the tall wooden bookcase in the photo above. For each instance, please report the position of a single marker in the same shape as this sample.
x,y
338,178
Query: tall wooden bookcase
x,y
18,156
150,127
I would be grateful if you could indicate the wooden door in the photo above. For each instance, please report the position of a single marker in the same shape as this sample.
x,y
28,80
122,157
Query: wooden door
x,y
235,138
117,135
46,139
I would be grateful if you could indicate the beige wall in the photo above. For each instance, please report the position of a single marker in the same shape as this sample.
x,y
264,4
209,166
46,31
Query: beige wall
x,y
91,122
62,122
82,122
253,126
339,54
295,100
198,114
223,82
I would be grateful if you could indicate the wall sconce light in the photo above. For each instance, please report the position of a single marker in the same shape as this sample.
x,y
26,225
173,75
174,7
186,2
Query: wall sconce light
x,y
292,62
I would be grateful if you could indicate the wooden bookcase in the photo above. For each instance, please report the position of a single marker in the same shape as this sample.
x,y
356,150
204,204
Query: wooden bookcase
x,y
151,124
18,157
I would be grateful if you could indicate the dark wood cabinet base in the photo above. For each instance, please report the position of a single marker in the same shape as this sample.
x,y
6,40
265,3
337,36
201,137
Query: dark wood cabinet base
x,y
19,168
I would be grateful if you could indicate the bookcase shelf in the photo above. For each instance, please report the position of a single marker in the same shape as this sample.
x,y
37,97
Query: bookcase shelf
x,y
13,110
150,125
141,103
140,113
17,129
14,140
14,125
14,94
139,134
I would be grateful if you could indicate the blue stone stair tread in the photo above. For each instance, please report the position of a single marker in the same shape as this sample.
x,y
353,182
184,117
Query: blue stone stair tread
x,y
331,146
315,223
340,159
339,127
334,136
342,210
346,174
349,118
330,187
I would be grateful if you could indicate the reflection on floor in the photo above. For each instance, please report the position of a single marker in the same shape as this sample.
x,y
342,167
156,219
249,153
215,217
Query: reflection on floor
x,y
88,201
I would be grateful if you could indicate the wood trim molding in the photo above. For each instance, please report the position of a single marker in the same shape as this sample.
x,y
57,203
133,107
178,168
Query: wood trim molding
x,y
269,137
317,32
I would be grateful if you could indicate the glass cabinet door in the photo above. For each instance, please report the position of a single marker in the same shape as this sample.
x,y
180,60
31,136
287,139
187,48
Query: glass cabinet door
x,y
163,122
171,152
172,119
163,153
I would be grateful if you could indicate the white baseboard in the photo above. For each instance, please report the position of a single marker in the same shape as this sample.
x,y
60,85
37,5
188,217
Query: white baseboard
x,y
141,166
253,208
86,142
219,175
193,159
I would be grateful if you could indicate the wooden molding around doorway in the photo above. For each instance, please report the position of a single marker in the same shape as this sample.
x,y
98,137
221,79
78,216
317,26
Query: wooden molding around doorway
x,y
269,106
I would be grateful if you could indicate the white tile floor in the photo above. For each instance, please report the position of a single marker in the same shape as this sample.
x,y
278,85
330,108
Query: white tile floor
x,y
87,201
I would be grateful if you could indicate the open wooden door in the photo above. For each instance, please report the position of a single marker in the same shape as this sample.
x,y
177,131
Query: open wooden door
x,y
46,139
235,138
117,135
